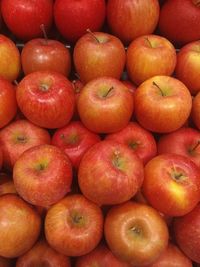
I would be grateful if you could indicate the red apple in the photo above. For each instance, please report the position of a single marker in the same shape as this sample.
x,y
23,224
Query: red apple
x,y
150,55
73,18
184,141
129,19
74,140
41,254
195,113
162,104
6,184
105,105
97,55
42,175
187,233
8,103
179,21
24,18
135,233
138,139
74,225
19,226
110,173
17,137
171,184
46,98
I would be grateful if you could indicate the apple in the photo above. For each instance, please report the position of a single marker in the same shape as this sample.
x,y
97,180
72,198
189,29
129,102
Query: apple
x,y
188,65
73,18
187,233
49,174
99,54
171,184
179,21
105,105
46,98
135,233
110,173
162,104
131,86
6,184
19,226
23,18
100,256
184,141
138,139
74,139
128,19
195,113
17,137
74,225
41,254
148,56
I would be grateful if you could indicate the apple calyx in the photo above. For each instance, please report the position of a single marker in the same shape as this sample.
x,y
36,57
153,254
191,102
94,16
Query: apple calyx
x,y
21,139
71,139
161,92
77,219
134,145
116,160
92,34
41,167
196,3
178,177
44,87
193,149
136,231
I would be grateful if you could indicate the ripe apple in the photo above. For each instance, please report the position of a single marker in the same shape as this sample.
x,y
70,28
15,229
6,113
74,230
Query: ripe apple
x,y
74,140
171,184
99,54
49,174
73,18
187,233
23,18
148,56
184,141
6,185
138,139
17,137
135,233
41,254
74,225
46,98
195,113
19,226
162,104
179,21
105,105
110,173
128,19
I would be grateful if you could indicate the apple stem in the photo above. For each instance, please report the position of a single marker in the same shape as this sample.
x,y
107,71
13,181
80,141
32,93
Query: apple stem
x,y
195,146
155,84
96,39
42,27
147,39
15,82
110,89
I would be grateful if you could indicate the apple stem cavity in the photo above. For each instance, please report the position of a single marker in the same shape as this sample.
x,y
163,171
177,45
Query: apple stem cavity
x,y
148,41
107,93
22,139
92,34
155,84
42,27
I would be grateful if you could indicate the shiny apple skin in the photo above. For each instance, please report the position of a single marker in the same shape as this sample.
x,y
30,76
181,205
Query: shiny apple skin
x,y
49,174
45,54
74,225
46,99
135,233
171,184
20,226
195,113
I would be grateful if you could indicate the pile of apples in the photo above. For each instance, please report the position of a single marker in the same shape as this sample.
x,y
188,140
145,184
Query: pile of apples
x,y
100,133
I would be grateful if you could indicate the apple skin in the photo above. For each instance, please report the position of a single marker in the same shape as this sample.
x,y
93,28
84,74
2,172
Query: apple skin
x,y
73,18
135,233
8,102
20,226
49,174
74,225
138,139
6,185
148,56
101,256
74,140
17,137
128,19
45,54
184,141
24,18
105,105
41,254
10,64
110,173
162,104
99,54
171,184
187,233
77,87
187,67
46,99
195,113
